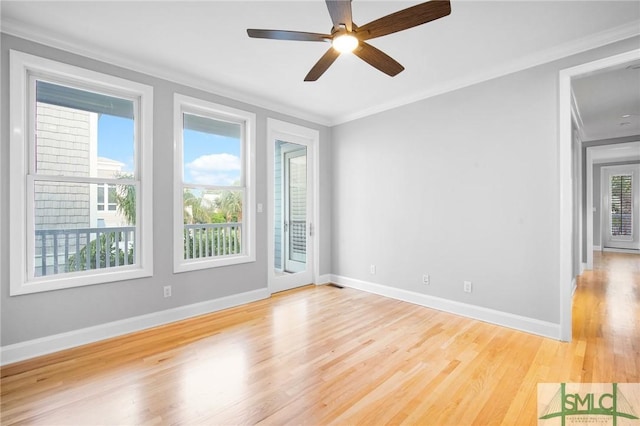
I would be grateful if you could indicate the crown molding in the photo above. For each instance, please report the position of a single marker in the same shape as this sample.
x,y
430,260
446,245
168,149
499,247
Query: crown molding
x,y
593,41
78,47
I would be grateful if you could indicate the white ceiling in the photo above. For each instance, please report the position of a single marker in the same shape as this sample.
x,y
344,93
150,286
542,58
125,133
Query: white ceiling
x,y
204,43
608,103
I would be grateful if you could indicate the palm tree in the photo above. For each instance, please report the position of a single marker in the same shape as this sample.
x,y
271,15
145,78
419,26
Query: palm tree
x,y
126,199
230,204
195,212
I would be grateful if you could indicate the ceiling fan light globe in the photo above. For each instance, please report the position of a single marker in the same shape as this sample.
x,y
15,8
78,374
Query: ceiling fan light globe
x,y
345,43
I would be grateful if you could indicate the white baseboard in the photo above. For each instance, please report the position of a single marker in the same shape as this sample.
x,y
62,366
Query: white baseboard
x,y
57,342
505,319
621,250
323,279
597,248
583,267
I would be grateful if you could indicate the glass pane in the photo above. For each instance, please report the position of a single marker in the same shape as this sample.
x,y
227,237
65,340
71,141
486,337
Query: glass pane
x,y
297,184
72,234
621,206
100,197
212,151
212,223
112,194
290,207
81,133
113,198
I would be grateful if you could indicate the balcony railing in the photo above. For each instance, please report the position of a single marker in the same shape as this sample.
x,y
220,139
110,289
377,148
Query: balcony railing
x,y
68,250
212,239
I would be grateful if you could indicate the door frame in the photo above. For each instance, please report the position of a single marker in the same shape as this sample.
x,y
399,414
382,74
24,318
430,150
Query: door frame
x,y
591,203
281,130
568,212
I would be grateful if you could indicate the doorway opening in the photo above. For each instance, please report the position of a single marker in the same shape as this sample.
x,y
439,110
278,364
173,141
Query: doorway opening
x,y
601,155
619,186
571,246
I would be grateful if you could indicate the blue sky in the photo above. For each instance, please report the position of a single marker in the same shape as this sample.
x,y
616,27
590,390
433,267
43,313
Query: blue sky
x,y
209,159
115,140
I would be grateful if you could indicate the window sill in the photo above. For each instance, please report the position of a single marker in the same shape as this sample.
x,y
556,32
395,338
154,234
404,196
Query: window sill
x,y
79,279
195,265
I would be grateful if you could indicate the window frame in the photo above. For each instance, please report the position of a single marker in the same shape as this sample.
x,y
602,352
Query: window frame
x,y
190,105
25,69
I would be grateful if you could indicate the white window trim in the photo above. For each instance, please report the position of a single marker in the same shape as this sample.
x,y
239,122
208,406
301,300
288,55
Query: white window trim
x,y
22,67
182,104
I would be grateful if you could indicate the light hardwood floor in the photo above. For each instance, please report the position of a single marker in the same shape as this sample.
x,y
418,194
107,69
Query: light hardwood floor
x,y
321,355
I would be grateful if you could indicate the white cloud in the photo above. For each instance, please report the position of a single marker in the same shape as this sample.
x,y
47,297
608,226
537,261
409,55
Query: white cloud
x,y
215,162
214,169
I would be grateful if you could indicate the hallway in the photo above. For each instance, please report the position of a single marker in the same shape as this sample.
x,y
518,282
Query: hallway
x,y
606,313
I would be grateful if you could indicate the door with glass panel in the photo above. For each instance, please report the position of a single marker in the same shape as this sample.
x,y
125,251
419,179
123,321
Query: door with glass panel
x,y
291,212
621,188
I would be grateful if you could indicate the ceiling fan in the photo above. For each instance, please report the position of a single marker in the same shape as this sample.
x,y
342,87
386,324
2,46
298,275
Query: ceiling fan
x,y
348,37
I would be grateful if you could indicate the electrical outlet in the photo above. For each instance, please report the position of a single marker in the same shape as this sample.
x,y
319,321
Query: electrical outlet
x,y
167,291
467,287
425,279
372,269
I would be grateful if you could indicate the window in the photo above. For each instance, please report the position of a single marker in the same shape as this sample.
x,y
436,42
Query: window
x,y
112,203
214,185
81,176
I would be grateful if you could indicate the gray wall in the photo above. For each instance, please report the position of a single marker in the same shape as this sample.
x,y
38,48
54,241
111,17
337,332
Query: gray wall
x,y
37,315
462,186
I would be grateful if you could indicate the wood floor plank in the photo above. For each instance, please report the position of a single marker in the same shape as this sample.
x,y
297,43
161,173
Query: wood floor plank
x,y
323,355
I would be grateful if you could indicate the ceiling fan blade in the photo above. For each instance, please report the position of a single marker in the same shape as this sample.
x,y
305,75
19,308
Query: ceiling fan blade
x,y
288,35
322,65
405,19
378,59
340,11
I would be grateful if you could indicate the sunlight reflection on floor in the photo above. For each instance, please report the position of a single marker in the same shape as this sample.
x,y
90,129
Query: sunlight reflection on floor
x,y
620,270
214,379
